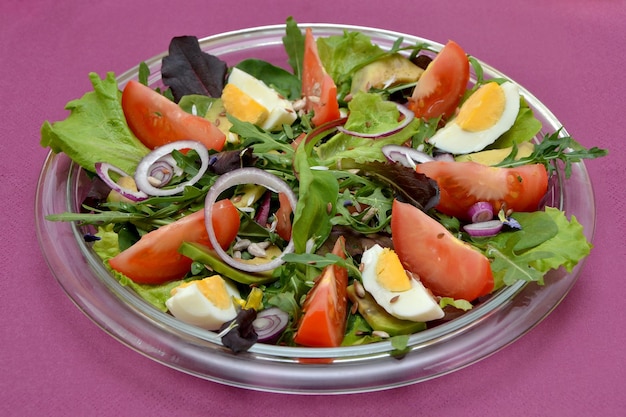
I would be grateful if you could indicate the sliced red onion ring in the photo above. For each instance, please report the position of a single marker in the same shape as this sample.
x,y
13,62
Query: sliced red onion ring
x,y
406,156
408,117
483,229
144,169
270,323
161,172
240,177
103,168
481,211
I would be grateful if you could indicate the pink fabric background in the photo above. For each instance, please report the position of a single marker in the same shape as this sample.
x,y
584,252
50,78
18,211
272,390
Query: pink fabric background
x,y
56,362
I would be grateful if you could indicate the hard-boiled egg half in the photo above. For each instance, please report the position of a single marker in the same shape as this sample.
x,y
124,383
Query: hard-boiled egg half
x,y
401,296
206,303
488,113
251,100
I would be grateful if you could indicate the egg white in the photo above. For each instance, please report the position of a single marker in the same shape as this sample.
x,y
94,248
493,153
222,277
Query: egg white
x,y
453,139
280,111
415,304
189,304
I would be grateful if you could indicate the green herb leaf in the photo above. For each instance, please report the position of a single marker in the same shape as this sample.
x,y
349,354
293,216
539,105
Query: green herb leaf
x,y
554,147
293,42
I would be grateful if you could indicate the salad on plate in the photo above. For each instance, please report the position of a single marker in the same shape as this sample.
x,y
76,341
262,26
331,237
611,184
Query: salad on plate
x,y
362,194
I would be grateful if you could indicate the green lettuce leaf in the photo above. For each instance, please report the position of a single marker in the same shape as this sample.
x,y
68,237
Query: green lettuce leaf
x,y
369,113
547,240
96,129
525,127
341,56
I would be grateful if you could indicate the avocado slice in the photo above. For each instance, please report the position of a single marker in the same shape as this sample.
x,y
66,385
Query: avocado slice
x,y
378,318
216,114
206,256
495,156
391,70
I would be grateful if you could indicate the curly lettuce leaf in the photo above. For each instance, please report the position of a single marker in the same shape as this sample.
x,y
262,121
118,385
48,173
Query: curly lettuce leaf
x,y
342,55
96,129
369,113
548,240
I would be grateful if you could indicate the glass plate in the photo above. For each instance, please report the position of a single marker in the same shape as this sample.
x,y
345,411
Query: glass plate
x,y
506,316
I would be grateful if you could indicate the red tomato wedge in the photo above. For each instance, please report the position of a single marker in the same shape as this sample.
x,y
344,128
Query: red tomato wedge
x,y
445,265
462,184
440,88
283,217
156,120
318,88
325,308
154,259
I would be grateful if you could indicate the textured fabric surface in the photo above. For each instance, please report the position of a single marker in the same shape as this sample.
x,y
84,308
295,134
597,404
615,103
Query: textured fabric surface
x,y
56,362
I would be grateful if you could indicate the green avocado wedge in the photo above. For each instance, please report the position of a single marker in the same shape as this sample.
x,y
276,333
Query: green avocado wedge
x,y
379,319
204,255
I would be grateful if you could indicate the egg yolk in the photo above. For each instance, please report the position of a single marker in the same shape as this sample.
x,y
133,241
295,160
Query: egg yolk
x,y
482,109
243,107
390,273
213,288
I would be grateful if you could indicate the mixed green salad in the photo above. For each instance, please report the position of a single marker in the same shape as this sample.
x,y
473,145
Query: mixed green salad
x,y
361,195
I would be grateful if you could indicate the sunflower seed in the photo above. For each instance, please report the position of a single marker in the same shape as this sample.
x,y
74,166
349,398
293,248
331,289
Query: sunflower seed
x,y
354,308
358,289
381,334
255,250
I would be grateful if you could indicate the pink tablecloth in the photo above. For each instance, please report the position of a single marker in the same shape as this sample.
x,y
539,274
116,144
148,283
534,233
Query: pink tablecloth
x,y
56,362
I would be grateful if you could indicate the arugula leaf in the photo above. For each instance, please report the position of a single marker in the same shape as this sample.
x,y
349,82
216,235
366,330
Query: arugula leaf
x,y
293,42
554,147
261,141
374,219
96,129
320,261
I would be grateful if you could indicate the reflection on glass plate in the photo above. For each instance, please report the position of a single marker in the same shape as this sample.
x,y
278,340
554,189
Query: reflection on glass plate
x,y
507,315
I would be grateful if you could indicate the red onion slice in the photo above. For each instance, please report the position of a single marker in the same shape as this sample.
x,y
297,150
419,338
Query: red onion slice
x,y
484,229
481,211
408,117
270,323
244,176
408,157
144,169
161,173
103,168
